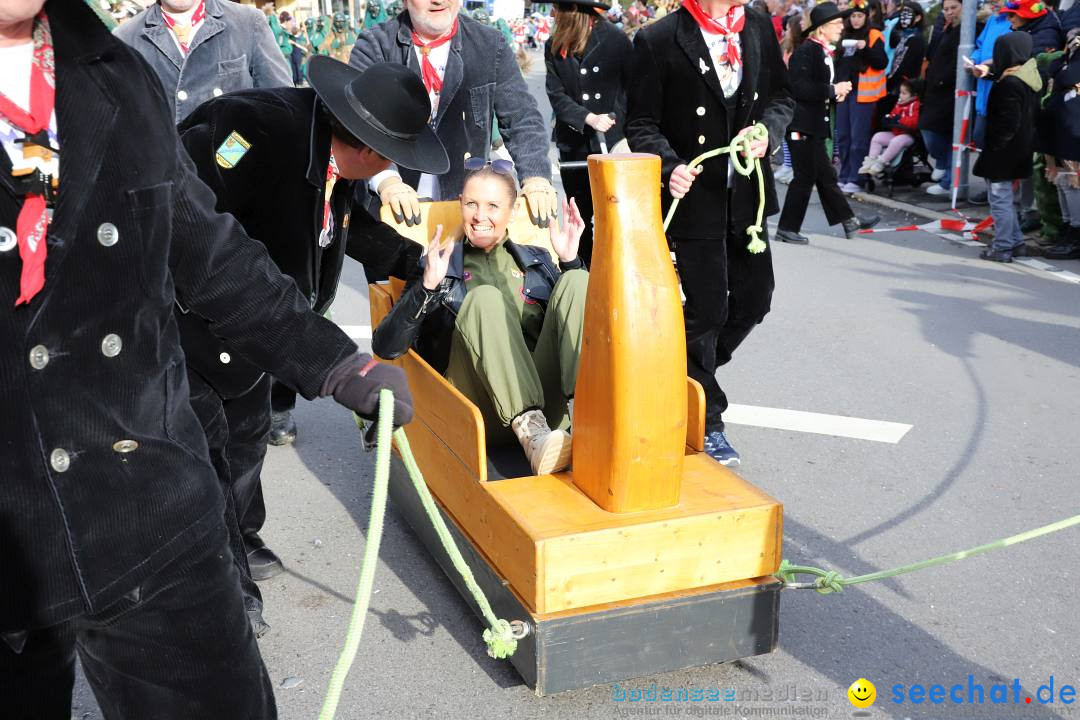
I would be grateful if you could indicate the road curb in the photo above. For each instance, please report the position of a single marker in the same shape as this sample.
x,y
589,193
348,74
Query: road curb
x,y
902,206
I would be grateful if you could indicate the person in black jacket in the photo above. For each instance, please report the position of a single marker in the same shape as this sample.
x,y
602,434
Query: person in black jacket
x,y
816,89
1059,133
304,218
113,546
587,63
703,75
1011,114
939,97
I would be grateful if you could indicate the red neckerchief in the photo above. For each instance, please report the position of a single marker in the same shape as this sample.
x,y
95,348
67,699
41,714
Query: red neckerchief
x,y
432,81
731,24
830,50
33,221
196,18
331,179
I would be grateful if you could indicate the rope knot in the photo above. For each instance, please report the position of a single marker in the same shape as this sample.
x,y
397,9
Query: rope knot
x,y
500,640
829,583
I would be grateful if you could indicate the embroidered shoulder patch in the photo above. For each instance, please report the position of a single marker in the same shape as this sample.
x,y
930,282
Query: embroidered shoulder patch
x,y
232,150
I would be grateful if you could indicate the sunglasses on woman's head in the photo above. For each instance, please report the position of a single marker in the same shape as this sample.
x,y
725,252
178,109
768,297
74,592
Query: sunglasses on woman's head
x,y
499,165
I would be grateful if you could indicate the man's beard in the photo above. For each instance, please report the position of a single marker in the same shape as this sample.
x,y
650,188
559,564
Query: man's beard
x,y
426,28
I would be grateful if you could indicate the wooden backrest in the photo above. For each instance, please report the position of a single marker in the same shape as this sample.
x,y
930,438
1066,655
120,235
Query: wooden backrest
x,y
448,214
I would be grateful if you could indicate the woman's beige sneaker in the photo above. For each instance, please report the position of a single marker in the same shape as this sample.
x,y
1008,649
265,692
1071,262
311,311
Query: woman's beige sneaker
x,y
548,450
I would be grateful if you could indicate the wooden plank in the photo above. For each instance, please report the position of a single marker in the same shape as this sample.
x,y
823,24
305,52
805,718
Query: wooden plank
x,y
492,528
452,416
695,415
380,303
648,638
448,214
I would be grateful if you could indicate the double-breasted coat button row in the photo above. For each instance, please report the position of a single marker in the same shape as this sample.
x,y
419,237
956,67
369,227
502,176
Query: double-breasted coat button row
x,y
111,345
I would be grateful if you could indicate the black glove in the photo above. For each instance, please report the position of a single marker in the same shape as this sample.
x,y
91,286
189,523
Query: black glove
x,y
357,381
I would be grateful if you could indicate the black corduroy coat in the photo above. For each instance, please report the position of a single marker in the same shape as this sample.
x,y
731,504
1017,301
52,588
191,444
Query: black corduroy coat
x,y
677,111
103,463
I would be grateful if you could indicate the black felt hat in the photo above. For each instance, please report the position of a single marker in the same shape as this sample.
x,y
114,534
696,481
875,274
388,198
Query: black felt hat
x,y
386,107
823,13
585,4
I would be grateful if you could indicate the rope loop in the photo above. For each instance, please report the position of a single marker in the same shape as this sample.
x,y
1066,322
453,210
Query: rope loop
x,y
500,640
744,163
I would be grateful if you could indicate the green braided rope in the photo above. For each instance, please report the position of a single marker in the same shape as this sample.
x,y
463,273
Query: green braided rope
x,y
830,581
499,636
371,557
738,151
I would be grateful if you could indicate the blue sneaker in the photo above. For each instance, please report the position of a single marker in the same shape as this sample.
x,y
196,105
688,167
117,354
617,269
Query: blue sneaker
x,y
719,449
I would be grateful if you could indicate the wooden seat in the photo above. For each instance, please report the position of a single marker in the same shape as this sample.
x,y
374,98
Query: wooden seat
x,y
448,214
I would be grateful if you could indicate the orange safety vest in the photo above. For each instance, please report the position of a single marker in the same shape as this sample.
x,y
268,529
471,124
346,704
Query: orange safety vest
x,y
872,82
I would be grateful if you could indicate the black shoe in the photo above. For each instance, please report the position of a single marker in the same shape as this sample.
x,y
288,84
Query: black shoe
x,y
853,225
264,563
1001,256
792,237
282,428
1063,252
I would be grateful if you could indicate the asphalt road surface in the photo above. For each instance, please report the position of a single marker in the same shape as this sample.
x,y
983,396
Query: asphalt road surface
x,y
979,359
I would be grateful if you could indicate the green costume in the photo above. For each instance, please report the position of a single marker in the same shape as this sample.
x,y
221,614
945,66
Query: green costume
x,y
507,354
281,35
375,14
1046,196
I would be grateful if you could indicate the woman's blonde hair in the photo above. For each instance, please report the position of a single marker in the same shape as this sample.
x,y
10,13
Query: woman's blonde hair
x,y
572,28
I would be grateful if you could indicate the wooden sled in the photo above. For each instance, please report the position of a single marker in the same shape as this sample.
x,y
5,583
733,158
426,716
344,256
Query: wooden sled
x,y
646,556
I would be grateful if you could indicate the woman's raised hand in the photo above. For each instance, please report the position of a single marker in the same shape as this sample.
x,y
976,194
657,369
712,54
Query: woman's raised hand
x,y
438,260
565,241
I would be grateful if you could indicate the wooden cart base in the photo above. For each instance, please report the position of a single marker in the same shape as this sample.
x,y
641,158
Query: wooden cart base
x,y
607,643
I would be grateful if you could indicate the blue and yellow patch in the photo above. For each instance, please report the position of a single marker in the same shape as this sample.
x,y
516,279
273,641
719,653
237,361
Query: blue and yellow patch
x,y
232,150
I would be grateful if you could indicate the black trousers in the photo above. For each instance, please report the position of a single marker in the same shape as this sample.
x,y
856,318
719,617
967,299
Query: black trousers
x,y
728,291
177,647
210,409
576,185
812,168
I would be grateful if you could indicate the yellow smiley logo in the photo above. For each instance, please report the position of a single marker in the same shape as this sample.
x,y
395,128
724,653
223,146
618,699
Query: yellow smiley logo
x,y
862,693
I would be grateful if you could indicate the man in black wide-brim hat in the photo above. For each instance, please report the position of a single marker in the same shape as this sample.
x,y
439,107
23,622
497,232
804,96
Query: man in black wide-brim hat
x,y
282,162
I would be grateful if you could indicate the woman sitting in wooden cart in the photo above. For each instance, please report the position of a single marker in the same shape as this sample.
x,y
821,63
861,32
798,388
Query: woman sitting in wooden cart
x,y
498,319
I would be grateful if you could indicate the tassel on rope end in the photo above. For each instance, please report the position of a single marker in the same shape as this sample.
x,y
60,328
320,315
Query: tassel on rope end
x,y
757,245
500,640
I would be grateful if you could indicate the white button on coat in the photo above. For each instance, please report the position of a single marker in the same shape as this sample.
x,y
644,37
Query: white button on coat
x,y
700,111
8,239
700,139
584,71
585,96
595,68
181,95
596,96
39,357
217,92
60,460
125,446
107,234
225,358
111,345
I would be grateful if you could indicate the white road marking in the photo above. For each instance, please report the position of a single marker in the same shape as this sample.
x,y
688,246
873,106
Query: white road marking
x,y
1070,276
821,424
1034,264
357,332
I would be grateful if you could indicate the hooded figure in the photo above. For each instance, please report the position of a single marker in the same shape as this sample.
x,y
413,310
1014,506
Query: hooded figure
x,y
1011,111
